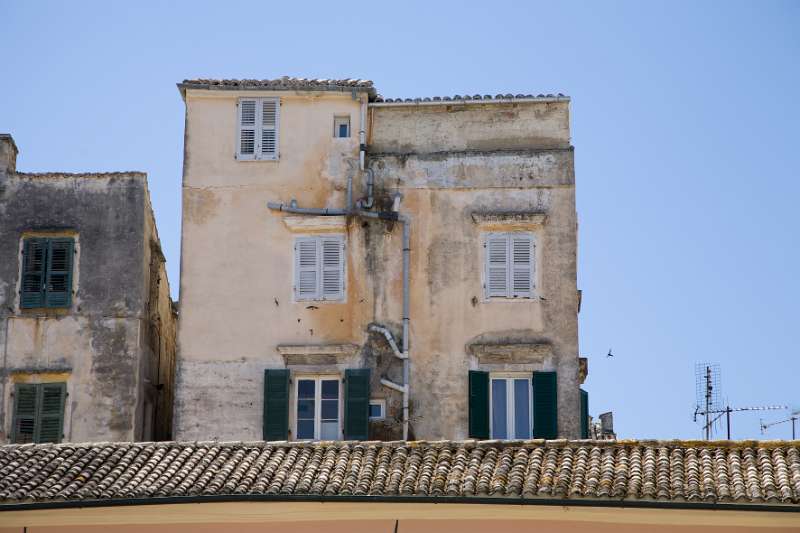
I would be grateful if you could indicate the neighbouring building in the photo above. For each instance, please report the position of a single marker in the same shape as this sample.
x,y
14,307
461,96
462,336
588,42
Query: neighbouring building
x,y
310,205
87,326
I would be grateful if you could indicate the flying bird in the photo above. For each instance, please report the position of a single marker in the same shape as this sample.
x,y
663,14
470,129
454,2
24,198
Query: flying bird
x,y
609,354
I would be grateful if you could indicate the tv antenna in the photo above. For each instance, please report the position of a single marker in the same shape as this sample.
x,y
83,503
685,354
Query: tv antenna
x,y
794,418
708,400
707,393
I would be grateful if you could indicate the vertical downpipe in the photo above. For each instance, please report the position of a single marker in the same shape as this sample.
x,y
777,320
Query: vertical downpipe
x,y
406,298
362,134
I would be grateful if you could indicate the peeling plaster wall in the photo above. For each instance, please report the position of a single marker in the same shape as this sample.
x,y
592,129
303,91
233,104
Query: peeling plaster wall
x,y
236,295
448,162
95,344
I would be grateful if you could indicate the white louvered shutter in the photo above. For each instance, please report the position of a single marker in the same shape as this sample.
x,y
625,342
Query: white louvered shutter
x,y
332,268
268,141
306,269
522,262
247,129
497,266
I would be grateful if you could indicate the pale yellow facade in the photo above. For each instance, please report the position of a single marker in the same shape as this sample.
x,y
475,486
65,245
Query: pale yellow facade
x,y
463,170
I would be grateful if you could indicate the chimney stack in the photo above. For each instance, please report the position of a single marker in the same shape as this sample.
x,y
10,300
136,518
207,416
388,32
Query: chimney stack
x,y
607,424
8,154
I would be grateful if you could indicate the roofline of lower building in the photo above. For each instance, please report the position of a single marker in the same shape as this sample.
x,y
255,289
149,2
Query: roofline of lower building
x,y
478,500
467,443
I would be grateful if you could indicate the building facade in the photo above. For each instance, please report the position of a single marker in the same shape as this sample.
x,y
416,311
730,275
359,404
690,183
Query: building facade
x,y
354,267
87,326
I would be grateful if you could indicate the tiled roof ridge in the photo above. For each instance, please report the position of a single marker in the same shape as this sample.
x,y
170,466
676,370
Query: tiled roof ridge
x,y
298,83
380,99
113,174
282,83
717,472
467,443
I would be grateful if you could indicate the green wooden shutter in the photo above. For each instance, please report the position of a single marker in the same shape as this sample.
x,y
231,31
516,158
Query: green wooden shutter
x,y
34,260
50,418
58,289
356,404
24,426
478,404
545,405
276,404
584,414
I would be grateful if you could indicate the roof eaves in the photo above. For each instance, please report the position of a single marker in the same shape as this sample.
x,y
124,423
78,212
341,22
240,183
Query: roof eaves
x,y
285,83
458,99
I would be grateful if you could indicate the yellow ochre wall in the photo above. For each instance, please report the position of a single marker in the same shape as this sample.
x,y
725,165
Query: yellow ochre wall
x,y
310,517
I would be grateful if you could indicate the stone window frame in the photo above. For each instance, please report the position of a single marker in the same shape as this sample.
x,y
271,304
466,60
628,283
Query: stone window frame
x,y
76,263
341,120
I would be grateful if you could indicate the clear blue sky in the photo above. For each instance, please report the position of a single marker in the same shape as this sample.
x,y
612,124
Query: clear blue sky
x,y
685,123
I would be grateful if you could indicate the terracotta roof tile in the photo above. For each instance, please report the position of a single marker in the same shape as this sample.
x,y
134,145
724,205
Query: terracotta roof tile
x,y
285,83
717,472
466,99
290,83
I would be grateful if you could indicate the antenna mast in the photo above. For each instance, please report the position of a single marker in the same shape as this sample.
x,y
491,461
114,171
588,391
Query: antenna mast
x,y
708,401
794,418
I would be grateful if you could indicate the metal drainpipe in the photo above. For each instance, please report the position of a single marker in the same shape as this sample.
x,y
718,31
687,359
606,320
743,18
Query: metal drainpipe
x,y
406,301
277,206
406,319
362,134
367,203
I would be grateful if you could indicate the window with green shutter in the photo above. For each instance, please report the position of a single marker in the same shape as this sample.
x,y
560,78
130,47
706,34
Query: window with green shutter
x,y
545,405
38,412
276,404
356,404
478,404
584,414
47,272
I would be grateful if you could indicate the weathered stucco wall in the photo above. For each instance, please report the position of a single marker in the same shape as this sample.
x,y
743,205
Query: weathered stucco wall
x,y
237,256
449,162
449,311
95,344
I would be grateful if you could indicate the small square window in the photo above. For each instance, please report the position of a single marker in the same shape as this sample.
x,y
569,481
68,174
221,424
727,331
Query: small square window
x,y
341,127
377,409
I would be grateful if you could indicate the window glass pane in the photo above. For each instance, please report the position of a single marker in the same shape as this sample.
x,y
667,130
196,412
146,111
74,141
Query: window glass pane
x,y
499,429
329,430
330,409
375,410
343,130
305,429
330,389
305,409
305,388
522,406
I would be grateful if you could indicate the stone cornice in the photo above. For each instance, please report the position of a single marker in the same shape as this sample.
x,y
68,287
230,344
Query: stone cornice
x,y
513,353
515,219
316,354
312,224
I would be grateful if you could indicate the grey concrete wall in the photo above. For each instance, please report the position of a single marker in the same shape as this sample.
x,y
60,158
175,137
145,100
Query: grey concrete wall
x,y
95,345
